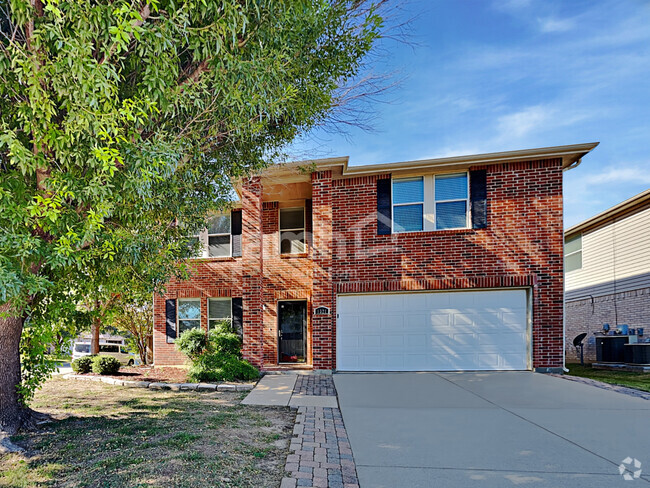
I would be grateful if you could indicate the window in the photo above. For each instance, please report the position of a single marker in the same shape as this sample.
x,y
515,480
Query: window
x,y
83,348
215,239
431,202
189,314
292,230
218,310
219,235
451,194
408,204
108,348
573,253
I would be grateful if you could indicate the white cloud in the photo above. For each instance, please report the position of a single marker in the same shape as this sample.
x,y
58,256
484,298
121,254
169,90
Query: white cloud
x,y
629,174
523,122
555,25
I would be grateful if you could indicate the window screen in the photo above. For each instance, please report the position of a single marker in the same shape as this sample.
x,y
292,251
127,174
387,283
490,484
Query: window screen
x,y
218,310
408,204
219,235
189,314
292,230
451,195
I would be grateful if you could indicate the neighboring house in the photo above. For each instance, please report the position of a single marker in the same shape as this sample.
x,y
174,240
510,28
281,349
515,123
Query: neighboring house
x,y
439,265
607,272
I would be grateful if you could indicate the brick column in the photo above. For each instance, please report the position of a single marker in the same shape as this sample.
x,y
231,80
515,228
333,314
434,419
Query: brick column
x,y
323,337
253,321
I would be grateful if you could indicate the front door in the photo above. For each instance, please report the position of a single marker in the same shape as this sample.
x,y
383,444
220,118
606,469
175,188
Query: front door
x,y
292,327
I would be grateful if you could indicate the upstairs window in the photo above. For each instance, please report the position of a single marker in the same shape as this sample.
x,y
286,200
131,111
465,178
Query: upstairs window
x,y
218,235
292,230
451,195
215,240
189,314
218,309
408,204
573,253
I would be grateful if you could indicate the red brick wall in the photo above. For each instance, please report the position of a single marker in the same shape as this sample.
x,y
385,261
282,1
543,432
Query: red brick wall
x,y
252,265
286,277
522,245
324,332
215,277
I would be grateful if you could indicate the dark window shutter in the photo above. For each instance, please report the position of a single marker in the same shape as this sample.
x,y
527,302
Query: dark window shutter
x,y
384,210
308,221
170,318
478,198
238,316
235,231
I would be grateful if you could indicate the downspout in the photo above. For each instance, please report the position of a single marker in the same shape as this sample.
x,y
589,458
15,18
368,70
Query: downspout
x,y
564,368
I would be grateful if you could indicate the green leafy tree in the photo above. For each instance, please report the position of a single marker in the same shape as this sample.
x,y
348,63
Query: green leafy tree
x,y
120,118
133,317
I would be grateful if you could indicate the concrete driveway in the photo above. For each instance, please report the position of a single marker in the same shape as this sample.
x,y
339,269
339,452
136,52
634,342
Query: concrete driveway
x,y
490,430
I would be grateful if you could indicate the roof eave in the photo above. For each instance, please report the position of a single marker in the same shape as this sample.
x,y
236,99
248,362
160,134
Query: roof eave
x,y
611,213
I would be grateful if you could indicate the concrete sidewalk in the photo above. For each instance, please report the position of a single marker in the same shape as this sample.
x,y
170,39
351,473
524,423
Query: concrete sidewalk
x,y
277,390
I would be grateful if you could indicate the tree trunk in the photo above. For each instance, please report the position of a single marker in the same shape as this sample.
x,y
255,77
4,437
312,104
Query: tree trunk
x,y
94,335
12,410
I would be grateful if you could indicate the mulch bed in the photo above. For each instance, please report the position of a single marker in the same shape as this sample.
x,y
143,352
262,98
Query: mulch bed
x,y
148,373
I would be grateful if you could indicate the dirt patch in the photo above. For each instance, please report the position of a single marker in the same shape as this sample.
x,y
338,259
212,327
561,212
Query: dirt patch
x,y
148,373
126,437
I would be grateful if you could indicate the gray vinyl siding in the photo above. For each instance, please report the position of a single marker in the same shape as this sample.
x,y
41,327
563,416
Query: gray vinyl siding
x,y
615,257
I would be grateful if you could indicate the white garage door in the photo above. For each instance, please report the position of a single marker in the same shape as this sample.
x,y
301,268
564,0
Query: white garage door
x,y
438,331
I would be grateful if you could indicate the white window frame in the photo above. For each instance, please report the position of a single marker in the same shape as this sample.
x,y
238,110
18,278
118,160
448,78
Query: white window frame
x,y
429,203
178,313
218,319
297,229
572,253
229,234
466,200
393,204
204,239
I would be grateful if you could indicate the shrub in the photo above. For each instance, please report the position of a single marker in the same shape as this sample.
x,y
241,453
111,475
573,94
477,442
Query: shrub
x,y
193,343
215,356
105,365
83,364
225,343
214,367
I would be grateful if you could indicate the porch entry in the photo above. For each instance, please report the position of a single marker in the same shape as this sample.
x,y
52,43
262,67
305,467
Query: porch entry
x,y
292,331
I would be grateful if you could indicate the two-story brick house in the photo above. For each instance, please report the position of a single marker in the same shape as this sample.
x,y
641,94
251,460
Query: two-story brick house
x,y
442,264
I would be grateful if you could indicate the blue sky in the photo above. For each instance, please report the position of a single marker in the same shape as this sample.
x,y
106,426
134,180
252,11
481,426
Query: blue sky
x,y
484,76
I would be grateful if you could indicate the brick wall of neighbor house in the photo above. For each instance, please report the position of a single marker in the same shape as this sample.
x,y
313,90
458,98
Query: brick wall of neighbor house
x,y
589,316
521,246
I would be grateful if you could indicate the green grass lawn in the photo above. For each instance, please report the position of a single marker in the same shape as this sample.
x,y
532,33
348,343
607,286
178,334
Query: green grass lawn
x,y
108,436
640,381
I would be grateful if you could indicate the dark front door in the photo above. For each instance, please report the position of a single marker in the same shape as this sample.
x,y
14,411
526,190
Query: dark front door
x,y
292,327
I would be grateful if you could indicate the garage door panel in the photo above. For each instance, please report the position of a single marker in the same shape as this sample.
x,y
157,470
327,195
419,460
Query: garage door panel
x,y
370,322
441,331
439,319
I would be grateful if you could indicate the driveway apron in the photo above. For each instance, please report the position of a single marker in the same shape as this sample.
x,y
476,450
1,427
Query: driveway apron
x,y
493,429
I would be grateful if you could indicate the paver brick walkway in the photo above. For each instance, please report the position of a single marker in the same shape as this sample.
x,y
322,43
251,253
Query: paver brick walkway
x,y
320,454
317,385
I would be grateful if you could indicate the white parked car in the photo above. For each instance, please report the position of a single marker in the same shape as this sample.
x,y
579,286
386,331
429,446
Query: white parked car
x,y
118,351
